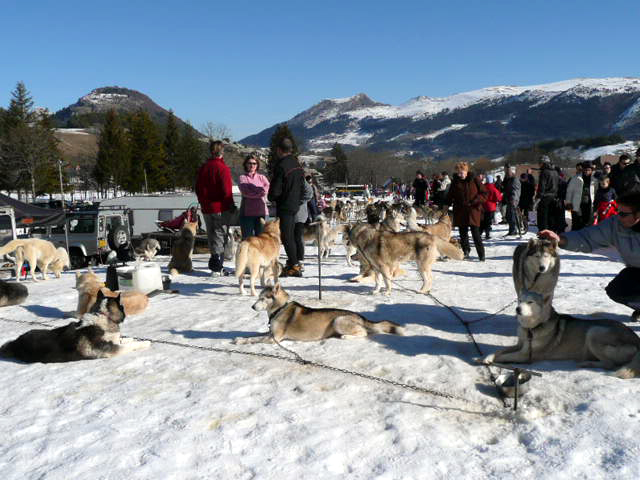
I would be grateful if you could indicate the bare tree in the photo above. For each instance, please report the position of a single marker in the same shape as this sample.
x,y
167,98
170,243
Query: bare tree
x,y
216,131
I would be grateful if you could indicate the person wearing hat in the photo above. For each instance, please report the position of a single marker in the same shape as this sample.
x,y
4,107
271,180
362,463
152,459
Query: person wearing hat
x,y
621,231
547,194
490,205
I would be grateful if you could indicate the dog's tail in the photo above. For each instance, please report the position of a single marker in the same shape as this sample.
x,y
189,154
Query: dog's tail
x,y
242,257
631,369
11,246
448,249
385,326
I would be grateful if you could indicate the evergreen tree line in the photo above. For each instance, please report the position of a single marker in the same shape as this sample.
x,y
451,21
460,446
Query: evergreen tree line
x,y
29,154
136,155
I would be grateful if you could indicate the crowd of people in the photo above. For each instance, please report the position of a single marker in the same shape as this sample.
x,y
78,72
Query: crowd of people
x,y
589,198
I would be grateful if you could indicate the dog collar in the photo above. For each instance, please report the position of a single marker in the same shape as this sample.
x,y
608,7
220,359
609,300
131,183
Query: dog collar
x,y
275,314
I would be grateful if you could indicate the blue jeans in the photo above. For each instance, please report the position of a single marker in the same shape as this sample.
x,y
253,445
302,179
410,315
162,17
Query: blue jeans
x,y
251,226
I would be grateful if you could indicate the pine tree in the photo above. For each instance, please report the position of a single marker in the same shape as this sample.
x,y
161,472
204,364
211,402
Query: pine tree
x,y
28,147
147,168
282,132
171,145
20,110
112,164
191,153
337,171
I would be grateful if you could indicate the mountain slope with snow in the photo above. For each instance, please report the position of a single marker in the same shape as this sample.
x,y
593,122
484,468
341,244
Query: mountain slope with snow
x,y
495,119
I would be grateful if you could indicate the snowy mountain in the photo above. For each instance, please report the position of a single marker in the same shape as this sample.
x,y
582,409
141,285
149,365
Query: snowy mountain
x,y
489,121
90,108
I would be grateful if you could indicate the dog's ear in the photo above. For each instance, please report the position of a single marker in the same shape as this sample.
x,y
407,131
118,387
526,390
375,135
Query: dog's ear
x,y
78,275
532,245
276,287
554,243
100,296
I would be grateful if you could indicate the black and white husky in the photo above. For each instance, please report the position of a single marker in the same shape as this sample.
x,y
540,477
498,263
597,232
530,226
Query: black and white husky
x,y
12,293
96,335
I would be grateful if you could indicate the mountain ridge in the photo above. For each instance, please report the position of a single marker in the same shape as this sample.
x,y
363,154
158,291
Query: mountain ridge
x,y
486,121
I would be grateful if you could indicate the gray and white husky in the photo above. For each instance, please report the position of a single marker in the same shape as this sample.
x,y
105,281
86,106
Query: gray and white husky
x,y
289,320
536,266
544,334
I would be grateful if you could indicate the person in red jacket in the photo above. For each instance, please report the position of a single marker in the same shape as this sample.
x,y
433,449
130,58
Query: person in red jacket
x,y
493,198
213,188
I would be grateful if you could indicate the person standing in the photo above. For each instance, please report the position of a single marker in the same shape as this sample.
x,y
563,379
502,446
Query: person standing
x,y
621,231
286,191
493,198
572,198
527,192
420,187
588,194
301,218
213,189
254,188
467,195
511,198
625,176
547,194
605,202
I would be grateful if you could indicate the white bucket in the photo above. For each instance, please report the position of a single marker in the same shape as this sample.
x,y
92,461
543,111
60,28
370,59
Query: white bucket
x,y
144,277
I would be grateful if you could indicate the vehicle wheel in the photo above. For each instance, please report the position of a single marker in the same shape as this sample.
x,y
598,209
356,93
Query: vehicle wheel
x,y
118,237
77,260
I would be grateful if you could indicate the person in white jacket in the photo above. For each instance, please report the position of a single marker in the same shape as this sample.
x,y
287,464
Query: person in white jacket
x,y
579,201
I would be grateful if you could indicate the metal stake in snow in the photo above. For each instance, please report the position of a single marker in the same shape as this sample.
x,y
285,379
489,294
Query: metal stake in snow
x,y
319,263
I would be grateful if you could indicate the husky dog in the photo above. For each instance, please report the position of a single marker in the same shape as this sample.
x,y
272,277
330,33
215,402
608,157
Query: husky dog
x,y
233,236
12,293
259,254
148,248
290,320
182,248
387,250
328,234
536,266
361,234
544,334
89,286
40,253
97,335
442,228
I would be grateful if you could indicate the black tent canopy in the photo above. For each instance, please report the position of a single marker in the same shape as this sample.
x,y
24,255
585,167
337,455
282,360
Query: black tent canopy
x,y
28,215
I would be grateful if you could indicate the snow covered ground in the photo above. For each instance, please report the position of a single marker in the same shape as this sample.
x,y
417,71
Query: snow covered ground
x,y
173,412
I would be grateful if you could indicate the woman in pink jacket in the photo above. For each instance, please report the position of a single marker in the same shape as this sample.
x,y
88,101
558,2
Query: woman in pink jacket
x,y
254,188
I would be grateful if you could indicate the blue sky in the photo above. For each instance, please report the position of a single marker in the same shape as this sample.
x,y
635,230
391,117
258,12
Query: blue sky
x,y
250,64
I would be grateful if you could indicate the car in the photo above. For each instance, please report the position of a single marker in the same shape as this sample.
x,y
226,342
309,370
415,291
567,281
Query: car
x,y
93,233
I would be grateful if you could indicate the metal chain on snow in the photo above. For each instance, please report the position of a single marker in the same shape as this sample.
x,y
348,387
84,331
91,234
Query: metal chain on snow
x,y
470,336
296,359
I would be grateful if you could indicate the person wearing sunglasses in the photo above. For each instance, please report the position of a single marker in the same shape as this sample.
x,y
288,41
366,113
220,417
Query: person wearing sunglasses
x,y
254,188
622,232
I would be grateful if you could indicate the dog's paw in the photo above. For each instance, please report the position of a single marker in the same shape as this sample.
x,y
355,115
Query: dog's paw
x,y
488,360
239,341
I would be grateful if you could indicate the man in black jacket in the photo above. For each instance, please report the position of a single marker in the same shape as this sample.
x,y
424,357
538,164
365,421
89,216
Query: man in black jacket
x,y
286,190
420,187
547,194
